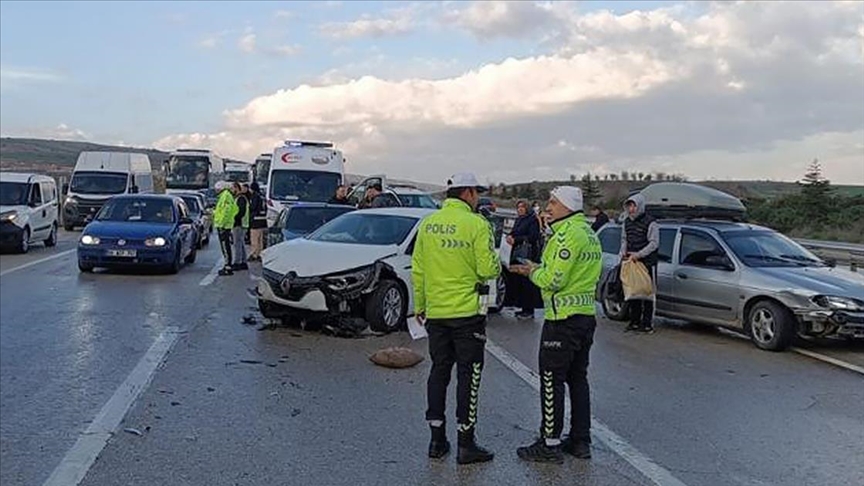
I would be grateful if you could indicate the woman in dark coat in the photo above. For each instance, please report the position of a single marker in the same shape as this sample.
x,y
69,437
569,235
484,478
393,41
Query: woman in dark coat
x,y
525,240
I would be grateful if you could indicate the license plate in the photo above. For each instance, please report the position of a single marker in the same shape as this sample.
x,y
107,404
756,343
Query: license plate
x,y
122,253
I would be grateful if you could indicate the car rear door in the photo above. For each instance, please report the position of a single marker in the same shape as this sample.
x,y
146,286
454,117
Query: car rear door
x,y
706,280
666,270
359,192
39,227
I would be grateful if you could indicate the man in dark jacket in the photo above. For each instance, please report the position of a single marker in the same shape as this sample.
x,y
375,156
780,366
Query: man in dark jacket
x,y
377,198
241,224
525,240
600,218
258,225
639,242
341,196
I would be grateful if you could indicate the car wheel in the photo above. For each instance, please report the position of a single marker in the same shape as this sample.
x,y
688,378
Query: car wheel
x,y
85,267
24,243
191,257
500,295
771,326
386,307
615,310
52,238
177,263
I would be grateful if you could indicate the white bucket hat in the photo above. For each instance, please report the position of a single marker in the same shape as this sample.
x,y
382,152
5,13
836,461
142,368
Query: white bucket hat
x,y
569,196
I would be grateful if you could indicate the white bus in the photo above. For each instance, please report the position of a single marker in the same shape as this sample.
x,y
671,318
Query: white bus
x,y
192,170
302,171
262,171
238,171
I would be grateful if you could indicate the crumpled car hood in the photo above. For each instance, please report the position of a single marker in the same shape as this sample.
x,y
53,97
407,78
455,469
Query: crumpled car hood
x,y
314,258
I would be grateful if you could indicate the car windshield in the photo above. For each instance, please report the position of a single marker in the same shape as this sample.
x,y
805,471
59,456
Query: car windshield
x,y
193,203
769,249
302,220
262,171
137,210
237,176
13,193
187,172
418,201
362,228
303,185
98,183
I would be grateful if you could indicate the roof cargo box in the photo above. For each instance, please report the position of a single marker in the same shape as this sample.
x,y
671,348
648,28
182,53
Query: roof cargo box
x,y
681,200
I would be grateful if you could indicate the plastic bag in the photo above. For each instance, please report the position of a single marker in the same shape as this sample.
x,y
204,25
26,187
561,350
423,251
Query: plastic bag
x,y
636,281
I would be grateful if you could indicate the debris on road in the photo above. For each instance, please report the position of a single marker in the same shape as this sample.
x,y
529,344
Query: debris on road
x,y
210,389
296,412
251,361
250,320
396,357
174,404
132,431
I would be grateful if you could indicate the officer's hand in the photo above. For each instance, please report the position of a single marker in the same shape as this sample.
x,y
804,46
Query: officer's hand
x,y
510,240
421,318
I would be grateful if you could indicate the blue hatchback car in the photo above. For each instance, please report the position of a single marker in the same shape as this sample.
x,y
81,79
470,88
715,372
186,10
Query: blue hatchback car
x,y
139,231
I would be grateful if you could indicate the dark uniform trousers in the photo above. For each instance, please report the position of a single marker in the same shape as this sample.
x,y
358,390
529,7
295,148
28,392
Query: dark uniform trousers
x,y
642,310
564,349
461,342
225,243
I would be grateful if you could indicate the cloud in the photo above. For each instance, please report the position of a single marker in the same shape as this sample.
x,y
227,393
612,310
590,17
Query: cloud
x,y
17,76
284,14
283,51
209,42
395,22
741,89
491,19
247,43
60,132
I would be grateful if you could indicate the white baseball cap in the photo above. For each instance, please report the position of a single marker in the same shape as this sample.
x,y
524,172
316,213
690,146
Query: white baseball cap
x,y
465,179
569,196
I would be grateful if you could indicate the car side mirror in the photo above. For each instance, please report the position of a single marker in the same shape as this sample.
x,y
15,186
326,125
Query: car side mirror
x,y
720,262
133,190
831,262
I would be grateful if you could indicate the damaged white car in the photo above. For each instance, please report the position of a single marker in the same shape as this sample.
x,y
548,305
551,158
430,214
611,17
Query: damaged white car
x,y
357,266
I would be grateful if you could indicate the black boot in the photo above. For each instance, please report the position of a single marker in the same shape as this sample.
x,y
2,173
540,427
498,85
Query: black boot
x,y
469,451
576,448
439,446
540,452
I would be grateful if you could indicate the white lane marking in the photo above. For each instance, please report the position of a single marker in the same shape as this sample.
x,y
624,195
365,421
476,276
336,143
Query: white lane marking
x,y
214,272
805,352
644,464
829,360
37,262
89,445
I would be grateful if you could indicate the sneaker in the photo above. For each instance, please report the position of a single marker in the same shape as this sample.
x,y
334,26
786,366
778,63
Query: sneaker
x,y
578,449
646,330
225,272
439,446
524,315
471,453
540,452
240,266
632,328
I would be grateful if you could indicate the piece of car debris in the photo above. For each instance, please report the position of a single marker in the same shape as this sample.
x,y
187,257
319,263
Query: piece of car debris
x,y
250,361
396,357
132,431
250,320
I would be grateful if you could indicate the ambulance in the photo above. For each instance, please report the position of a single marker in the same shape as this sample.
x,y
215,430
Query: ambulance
x,y
302,171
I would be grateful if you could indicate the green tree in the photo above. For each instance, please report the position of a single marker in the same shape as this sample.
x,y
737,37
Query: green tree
x,y
572,177
647,178
625,176
590,190
815,191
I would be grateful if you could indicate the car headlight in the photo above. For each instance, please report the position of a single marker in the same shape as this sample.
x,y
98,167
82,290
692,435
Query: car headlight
x,y
838,303
158,241
71,200
352,280
89,240
9,216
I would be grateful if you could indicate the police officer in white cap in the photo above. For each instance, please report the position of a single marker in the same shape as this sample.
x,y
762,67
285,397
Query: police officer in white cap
x,y
567,278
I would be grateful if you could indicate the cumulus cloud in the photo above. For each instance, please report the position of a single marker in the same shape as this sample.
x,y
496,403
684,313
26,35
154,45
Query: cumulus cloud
x,y
658,90
208,42
491,19
247,43
395,22
60,132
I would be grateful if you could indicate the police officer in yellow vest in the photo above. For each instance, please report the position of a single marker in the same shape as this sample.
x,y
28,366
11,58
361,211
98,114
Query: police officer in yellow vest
x,y
567,278
454,259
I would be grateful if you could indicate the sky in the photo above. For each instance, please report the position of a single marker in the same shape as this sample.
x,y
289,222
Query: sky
x,y
513,91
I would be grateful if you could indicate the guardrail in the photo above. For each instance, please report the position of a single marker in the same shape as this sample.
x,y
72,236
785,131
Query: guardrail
x,y
851,248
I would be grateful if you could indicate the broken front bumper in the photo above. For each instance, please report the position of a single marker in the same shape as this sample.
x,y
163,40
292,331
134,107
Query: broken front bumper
x,y
825,323
312,300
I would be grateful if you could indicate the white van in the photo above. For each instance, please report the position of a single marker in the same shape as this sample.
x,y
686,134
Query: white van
x,y
262,171
238,171
193,170
100,175
302,171
28,210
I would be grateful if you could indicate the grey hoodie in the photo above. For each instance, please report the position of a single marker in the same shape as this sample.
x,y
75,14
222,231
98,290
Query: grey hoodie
x,y
653,229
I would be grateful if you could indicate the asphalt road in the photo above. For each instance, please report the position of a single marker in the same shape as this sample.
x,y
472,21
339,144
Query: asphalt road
x,y
230,404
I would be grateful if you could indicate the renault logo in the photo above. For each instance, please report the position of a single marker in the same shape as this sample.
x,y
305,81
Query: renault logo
x,y
121,242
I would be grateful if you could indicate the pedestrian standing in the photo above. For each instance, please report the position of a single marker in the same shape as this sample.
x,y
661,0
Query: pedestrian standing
x,y
567,277
454,259
524,238
258,225
600,218
223,221
241,225
639,243
340,197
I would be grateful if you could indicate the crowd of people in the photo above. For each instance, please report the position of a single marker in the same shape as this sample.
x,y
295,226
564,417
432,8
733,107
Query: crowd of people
x,y
240,212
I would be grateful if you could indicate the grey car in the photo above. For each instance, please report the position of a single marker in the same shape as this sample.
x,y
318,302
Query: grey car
x,y
745,277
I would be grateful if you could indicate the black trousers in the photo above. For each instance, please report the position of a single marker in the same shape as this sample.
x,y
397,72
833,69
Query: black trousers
x,y
642,310
527,294
461,342
226,243
564,349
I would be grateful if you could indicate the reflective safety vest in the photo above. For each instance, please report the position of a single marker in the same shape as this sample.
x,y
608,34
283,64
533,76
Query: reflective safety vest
x,y
226,210
571,266
453,254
